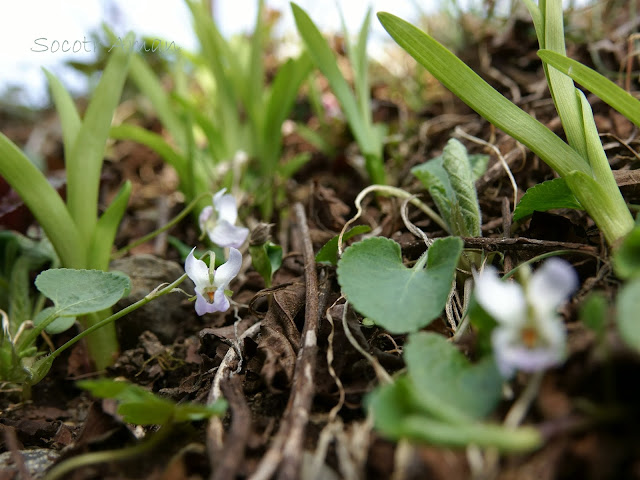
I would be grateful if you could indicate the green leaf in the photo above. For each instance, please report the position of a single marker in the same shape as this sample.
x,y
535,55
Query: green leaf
x,y
84,161
398,413
289,168
435,179
562,87
59,325
362,130
484,99
458,168
595,152
143,407
44,203
266,259
626,259
329,251
609,212
453,388
154,142
400,299
546,196
150,86
106,229
66,109
449,179
282,96
609,92
479,163
593,312
78,292
628,306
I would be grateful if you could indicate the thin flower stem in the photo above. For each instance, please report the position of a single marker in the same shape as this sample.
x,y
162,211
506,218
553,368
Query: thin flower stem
x,y
164,228
519,409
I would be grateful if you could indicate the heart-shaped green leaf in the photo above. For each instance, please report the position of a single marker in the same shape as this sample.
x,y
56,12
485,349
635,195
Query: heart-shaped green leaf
x,y
78,292
545,196
400,299
398,412
450,386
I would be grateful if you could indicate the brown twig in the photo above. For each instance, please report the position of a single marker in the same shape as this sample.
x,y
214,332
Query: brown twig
x,y
285,451
530,245
215,430
233,451
297,412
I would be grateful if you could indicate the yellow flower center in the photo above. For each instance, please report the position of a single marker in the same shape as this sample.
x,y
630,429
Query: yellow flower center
x,y
209,293
529,337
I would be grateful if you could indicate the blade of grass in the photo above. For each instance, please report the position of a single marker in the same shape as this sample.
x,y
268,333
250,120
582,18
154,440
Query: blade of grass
x,y
602,87
325,60
84,161
281,98
255,81
484,99
217,53
360,64
150,86
597,157
152,140
562,87
106,229
66,109
44,202
611,216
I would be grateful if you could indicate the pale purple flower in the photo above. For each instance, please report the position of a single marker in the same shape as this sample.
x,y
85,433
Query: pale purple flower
x,y
530,335
219,221
212,284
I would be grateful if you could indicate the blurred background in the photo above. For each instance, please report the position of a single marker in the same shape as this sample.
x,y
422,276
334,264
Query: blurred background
x,y
21,58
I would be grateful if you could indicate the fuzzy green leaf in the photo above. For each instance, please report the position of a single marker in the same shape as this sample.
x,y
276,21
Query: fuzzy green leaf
x,y
546,196
479,163
458,168
79,292
400,299
449,179
59,325
435,179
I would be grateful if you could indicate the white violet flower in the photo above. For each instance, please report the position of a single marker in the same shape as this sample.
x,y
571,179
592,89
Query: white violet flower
x,y
212,284
530,335
219,221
